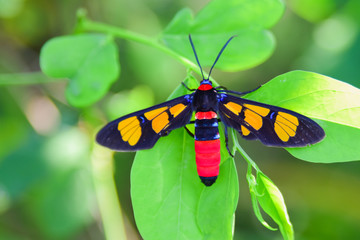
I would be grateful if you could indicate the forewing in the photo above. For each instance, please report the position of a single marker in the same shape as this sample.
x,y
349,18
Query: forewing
x,y
273,126
141,129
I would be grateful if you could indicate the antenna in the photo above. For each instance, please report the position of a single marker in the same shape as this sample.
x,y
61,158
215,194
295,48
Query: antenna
x,y
217,58
221,51
192,45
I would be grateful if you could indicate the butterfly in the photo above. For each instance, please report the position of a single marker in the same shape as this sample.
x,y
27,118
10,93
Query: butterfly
x,y
273,126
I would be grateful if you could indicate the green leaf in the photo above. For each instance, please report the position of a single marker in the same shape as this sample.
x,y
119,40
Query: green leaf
x,y
217,204
264,192
335,105
253,195
89,61
169,200
272,202
217,22
128,101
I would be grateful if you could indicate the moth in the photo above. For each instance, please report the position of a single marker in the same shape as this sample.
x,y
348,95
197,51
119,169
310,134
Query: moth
x,y
273,126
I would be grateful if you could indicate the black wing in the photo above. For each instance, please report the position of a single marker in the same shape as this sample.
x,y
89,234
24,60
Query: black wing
x,y
141,129
273,126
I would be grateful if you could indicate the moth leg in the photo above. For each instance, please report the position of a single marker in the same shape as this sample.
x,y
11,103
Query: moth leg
x,y
189,132
190,89
224,88
238,93
227,142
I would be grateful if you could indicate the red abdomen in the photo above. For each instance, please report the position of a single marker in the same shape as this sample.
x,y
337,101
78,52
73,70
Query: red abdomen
x,y
207,146
208,158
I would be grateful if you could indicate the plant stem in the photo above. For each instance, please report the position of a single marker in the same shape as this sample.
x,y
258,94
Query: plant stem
x,y
84,24
105,189
26,78
242,152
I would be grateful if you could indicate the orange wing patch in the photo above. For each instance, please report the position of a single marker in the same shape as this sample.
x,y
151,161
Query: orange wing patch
x,y
253,119
285,126
160,122
160,117
152,114
233,107
244,130
177,109
130,130
259,110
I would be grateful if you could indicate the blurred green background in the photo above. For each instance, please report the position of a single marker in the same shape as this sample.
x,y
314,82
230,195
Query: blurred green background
x,y
48,174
